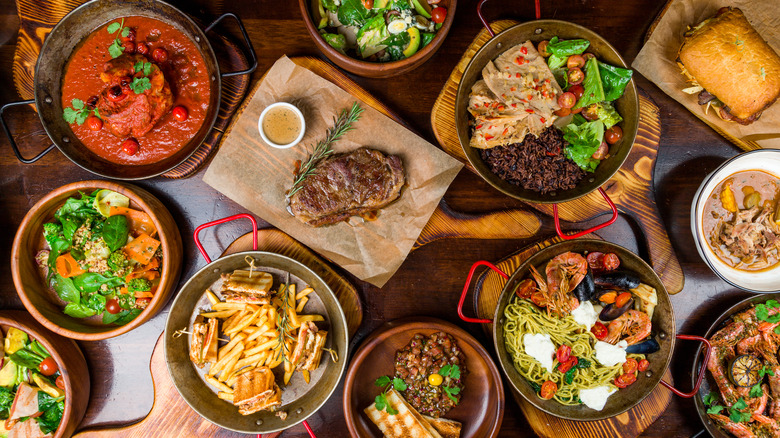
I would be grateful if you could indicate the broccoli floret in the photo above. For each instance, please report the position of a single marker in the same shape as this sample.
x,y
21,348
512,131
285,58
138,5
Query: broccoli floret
x,y
117,260
139,285
52,229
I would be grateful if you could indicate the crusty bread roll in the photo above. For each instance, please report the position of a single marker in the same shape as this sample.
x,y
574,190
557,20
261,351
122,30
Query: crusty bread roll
x,y
727,57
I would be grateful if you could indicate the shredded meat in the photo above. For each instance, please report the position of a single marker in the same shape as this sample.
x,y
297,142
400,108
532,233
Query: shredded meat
x,y
751,235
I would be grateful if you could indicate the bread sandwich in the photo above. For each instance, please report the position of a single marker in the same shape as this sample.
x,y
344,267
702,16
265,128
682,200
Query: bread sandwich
x,y
730,66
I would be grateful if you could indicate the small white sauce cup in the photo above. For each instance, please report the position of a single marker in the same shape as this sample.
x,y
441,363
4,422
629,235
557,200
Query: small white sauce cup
x,y
297,112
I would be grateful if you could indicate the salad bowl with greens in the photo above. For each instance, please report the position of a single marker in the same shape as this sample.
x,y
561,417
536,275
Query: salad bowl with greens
x,y
95,259
378,38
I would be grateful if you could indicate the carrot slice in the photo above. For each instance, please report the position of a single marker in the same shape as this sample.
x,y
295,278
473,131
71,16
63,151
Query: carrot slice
x,y
67,266
142,248
138,221
144,295
149,275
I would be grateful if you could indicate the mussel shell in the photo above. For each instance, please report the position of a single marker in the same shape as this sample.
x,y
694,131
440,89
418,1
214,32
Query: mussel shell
x,y
647,347
586,290
612,312
620,279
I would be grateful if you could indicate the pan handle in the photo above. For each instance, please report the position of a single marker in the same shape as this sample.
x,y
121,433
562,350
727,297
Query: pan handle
x,y
597,227
305,424
222,221
248,42
487,26
466,290
707,351
11,137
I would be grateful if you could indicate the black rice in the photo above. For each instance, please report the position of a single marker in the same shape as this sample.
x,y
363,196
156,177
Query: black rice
x,y
538,163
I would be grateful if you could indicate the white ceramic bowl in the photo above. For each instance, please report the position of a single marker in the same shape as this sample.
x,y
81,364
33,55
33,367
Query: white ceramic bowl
x,y
767,160
294,109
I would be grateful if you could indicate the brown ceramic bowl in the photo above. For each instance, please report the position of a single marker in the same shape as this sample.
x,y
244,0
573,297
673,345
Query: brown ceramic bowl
x,y
70,361
481,408
379,69
44,304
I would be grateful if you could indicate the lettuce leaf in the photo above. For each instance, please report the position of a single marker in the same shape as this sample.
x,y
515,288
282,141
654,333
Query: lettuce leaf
x,y
614,80
584,140
608,114
593,88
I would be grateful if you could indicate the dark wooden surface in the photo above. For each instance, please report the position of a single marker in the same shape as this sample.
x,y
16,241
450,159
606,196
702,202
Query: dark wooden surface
x,y
432,276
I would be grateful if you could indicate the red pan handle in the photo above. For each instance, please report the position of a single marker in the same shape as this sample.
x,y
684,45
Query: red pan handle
x,y
707,351
305,424
466,290
487,26
597,227
222,221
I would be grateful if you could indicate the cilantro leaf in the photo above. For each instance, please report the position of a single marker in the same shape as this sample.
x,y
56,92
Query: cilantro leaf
x,y
755,390
139,85
77,104
97,114
399,384
455,372
740,404
452,392
113,27
382,382
764,371
138,66
772,303
390,410
762,312
116,49
125,32
380,401
735,412
147,68
445,370
710,398
715,409
69,114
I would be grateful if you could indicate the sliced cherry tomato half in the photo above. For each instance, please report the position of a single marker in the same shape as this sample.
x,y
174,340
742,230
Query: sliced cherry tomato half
x,y
160,55
542,48
591,112
48,367
94,123
578,91
622,299
567,100
525,288
113,307
130,146
611,261
643,365
180,113
563,353
601,152
141,303
630,365
438,15
60,382
599,330
563,112
549,388
576,110
624,380
575,75
575,61
613,134
595,260
566,366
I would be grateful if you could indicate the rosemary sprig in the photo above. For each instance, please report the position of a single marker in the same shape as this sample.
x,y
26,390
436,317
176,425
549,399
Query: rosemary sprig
x,y
341,125
282,321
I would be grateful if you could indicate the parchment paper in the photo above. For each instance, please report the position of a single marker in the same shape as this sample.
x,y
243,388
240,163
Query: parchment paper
x,y
257,176
657,59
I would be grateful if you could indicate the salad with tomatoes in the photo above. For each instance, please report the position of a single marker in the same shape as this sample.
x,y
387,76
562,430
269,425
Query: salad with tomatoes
x,y
32,389
103,257
378,30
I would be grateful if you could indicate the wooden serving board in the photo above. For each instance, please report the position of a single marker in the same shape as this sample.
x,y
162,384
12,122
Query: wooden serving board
x,y
631,189
38,17
170,416
628,424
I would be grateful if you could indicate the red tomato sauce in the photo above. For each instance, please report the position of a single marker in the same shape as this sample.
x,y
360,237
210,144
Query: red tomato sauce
x,y
184,70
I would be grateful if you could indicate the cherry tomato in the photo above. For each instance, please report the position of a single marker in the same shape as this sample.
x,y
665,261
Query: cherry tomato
x,y
624,380
130,146
595,260
563,112
601,152
128,47
622,299
160,55
630,365
575,61
94,123
538,298
575,75
180,113
643,365
566,366
578,91
563,353
60,382
141,48
600,330
613,134
576,110
567,100
525,288
438,15
116,93
591,112
113,307
130,35
549,388
611,261
542,48
368,4
48,367
141,303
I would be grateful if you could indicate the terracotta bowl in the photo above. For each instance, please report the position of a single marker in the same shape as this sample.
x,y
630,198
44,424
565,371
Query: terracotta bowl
x,y
379,69
481,408
44,304
70,361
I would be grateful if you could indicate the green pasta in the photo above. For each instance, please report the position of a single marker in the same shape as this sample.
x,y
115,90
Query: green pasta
x,y
522,317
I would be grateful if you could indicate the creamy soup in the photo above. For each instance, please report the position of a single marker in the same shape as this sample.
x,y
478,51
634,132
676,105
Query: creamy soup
x,y
281,125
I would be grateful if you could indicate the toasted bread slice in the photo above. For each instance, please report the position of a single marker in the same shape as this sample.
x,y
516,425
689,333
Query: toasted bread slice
x,y
447,428
243,281
407,423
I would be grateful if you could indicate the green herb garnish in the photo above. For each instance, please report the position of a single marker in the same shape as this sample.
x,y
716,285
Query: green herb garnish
x,y
380,402
452,392
762,312
735,412
452,371
78,113
715,409
139,85
145,67
755,390
710,398
282,321
116,49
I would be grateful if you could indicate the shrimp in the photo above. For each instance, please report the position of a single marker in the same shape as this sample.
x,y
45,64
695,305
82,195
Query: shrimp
x,y
740,430
729,335
720,355
633,323
767,426
564,272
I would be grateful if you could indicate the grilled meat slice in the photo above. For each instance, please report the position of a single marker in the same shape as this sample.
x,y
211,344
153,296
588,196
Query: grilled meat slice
x,y
243,286
199,331
344,185
308,348
256,390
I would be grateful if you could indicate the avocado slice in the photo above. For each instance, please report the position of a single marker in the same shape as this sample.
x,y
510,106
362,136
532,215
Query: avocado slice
x,y
318,14
414,41
8,374
422,8
380,4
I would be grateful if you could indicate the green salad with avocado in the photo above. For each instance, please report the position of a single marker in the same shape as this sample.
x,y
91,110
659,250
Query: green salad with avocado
x,y
378,30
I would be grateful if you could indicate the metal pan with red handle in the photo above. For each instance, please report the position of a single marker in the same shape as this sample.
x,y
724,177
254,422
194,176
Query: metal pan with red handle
x,y
299,399
663,331
627,106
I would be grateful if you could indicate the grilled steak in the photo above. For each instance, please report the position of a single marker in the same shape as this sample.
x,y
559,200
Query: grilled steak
x,y
348,184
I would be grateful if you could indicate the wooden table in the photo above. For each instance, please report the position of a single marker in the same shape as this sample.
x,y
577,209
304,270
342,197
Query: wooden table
x,y
431,277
